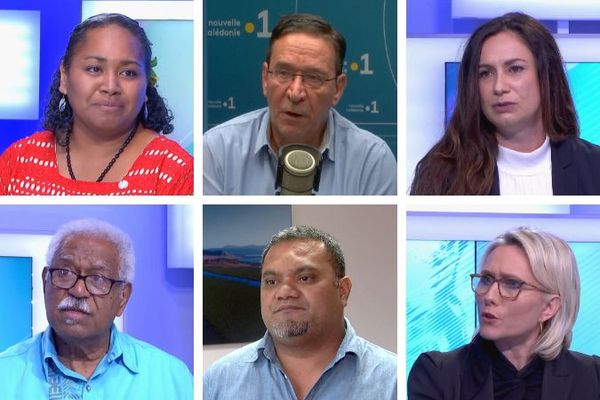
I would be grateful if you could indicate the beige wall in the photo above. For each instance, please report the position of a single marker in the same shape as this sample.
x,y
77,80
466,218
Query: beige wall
x,y
367,235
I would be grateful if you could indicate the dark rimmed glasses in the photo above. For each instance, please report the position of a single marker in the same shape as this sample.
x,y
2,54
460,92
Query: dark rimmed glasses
x,y
310,80
98,285
509,288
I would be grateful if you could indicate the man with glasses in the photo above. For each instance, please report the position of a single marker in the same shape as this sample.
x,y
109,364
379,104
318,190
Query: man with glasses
x,y
87,284
310,350
302,79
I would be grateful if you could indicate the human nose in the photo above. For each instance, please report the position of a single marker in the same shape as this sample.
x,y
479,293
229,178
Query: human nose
x,y
111,84
492,295
287,290
500,84
79,289
296,90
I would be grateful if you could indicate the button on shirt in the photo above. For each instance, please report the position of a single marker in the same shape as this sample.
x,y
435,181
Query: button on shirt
x,y
239,160
360,370
131,369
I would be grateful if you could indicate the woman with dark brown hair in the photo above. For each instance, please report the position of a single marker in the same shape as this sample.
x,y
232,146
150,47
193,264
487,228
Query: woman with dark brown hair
x,y
514,129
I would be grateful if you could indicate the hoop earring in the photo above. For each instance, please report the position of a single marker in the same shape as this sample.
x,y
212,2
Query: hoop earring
x,y
541,328
62,104
145,111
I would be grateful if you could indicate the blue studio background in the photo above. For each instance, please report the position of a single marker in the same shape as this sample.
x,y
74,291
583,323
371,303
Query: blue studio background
x,y
160,310
52,23
436,33
236,37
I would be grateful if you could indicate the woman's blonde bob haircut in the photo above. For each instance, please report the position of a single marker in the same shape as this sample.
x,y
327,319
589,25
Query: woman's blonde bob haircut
x,y
554,267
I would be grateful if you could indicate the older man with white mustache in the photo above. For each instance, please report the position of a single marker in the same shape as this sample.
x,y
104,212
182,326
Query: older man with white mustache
x,y
87,284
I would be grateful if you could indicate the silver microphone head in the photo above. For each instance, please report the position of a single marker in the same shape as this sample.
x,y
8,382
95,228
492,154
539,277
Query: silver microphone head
x,y
298,170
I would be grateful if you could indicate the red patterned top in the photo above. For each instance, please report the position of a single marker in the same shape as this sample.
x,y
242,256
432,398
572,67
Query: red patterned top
x,y
28,167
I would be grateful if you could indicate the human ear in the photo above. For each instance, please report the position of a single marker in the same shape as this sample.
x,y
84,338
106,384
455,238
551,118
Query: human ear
x,y
62,87
344,288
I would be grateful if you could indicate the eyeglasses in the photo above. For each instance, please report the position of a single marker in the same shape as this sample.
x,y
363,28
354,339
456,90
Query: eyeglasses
x,y
95,284
509,288
310,80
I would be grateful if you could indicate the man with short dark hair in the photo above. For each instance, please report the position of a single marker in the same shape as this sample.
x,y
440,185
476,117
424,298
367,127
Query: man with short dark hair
x,y
310,351
82,355
302,79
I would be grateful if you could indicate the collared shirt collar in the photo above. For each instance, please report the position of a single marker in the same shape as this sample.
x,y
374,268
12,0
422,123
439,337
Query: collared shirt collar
x,y
266,347
262,142
116,350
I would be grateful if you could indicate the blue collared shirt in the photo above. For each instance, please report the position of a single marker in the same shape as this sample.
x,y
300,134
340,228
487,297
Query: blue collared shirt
x,y
360,370
131,369
239,160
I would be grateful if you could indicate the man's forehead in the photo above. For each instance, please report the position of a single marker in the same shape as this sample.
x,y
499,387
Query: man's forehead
x,y
99,250
309,248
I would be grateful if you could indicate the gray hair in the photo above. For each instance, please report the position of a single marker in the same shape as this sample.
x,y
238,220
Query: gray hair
x,y
100,229
304,232
554,266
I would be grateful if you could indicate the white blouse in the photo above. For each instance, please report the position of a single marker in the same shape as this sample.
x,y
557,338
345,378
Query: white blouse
x,y
525,173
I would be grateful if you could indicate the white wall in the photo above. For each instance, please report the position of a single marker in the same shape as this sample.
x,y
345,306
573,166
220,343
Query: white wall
x,y
367,235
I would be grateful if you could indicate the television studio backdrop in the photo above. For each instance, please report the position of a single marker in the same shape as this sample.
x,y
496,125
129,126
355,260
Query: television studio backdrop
x,y
236,35
445,245
34,37
437,32
160,310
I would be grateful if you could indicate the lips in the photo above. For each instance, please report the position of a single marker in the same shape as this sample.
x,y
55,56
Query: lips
x,y
504,106
488,317
74,310
293,114
109,106
288,308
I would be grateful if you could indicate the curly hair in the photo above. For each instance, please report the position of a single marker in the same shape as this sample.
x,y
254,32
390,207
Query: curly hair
x,y
464,160
60,123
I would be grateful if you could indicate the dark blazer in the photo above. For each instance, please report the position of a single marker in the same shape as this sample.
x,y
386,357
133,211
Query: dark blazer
x,y
575,168
466,374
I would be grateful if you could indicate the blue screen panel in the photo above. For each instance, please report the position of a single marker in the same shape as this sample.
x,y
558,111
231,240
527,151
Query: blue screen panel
x,y
584,80
173,47
440,314
20,71
15,294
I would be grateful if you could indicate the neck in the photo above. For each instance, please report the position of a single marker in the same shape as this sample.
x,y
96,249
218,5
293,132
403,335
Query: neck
x,y
519,354
308,349
82,356
87,141
278,140
523,140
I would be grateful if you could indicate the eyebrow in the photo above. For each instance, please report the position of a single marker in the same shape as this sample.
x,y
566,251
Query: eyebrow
x,y
501,276
300,270
104,60
507,62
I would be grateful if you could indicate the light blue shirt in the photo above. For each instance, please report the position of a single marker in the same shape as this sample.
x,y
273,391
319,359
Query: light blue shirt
x,y
359,371
131,369
239,160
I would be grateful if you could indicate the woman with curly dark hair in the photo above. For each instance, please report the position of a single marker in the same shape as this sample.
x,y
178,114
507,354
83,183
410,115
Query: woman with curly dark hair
x,y
514,129
105,123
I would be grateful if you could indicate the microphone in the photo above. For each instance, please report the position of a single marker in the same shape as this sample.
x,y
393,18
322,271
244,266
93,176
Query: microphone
x,y
298,169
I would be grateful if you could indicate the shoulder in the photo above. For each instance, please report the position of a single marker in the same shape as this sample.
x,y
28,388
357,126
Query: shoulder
x,y
376,355
234,128
441,360
580,146
168,148
44,139
350,129
579,360
241,357
149,357
19,355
